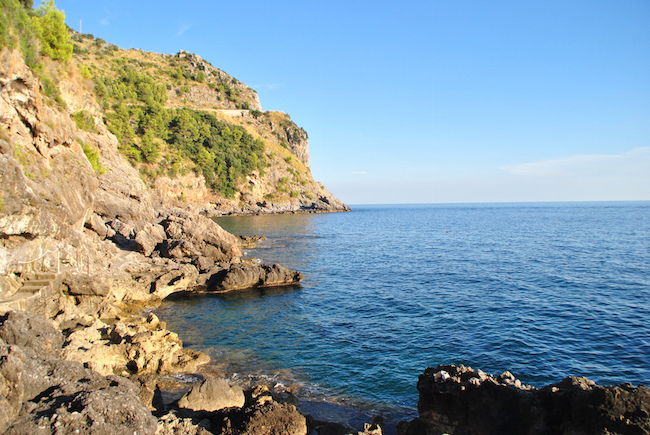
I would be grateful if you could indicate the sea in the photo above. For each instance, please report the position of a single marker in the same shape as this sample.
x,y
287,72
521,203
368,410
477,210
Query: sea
x,y
543,290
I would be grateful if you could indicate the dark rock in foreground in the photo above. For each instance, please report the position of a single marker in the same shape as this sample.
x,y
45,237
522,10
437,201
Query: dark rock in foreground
x,y
461,401
40,393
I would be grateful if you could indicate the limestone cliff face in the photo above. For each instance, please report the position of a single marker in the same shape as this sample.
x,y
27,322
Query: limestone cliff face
x,y
48,186
69,197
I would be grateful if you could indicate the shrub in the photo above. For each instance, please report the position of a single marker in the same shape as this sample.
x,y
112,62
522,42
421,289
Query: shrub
x,y
93,157
49,23
84,121
84,71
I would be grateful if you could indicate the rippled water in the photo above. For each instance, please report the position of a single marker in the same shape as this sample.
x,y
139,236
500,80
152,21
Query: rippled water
x,y
543,290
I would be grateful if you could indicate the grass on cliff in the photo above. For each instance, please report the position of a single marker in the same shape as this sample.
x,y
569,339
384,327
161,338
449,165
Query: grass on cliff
x,y
93,157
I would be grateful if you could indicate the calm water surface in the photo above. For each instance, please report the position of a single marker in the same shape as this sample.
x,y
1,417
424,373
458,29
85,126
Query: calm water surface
x,y
543,290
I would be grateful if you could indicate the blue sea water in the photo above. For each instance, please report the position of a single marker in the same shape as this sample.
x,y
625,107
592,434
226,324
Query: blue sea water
x,y
542,290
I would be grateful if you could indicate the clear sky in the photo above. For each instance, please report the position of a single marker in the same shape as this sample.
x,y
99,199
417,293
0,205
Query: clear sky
x,y
430,100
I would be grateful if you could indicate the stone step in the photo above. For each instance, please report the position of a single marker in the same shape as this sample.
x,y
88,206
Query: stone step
x,y
18,302
41,282
31,287
50,276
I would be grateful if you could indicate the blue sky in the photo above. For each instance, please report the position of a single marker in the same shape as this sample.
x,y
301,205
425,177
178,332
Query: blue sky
x,y
430,101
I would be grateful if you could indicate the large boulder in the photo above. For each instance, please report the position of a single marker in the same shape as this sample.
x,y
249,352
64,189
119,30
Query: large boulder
x,y
238,276
273,418
200,236
176,280
460,400
148,238
212,395
31,331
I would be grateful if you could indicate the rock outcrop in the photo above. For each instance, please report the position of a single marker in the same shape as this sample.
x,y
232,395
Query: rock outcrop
x,y
40,392
212,395
238,276
460,400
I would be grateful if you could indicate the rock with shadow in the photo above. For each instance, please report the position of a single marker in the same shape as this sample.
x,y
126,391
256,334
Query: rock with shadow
x,y
462,401
239,276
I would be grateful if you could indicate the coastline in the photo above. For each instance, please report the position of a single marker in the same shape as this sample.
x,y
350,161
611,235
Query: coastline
x,y
88,248
128,339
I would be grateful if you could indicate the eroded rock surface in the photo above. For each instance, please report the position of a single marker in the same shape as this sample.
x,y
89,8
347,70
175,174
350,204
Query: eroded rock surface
x,y
460,400
212,395
239,276
41,393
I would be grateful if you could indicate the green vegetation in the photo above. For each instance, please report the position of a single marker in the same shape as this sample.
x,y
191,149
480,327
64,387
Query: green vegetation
x,y
84,121
224,153
49,24
16,31
36,33
2,201
167,139
93,157
84,71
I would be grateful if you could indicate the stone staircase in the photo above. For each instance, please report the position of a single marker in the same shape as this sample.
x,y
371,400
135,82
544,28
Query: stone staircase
x,y
41,286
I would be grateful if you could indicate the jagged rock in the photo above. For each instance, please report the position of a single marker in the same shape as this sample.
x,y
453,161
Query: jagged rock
x,y
148,238
192,235
177,248
176,280
97,224
109,405
203,264
172,424
31,331
22,212
150,393
11,384
579,406
370,429
87,285
460,400
40,393
250,241
212,395
138,348
273,418
242,276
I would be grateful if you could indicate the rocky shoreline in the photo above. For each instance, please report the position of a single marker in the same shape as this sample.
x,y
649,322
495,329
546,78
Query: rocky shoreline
x,y
87,248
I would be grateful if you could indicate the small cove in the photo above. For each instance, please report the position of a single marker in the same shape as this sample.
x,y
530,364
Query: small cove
x,y
543,290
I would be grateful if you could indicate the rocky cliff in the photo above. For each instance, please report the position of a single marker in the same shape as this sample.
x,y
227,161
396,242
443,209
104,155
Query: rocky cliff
x,y
93,229
168,112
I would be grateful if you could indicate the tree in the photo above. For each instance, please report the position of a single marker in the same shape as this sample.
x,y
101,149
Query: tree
x,y
49,23
150,149
27,4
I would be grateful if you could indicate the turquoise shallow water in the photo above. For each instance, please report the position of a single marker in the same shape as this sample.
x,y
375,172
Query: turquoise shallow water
x,y
543,290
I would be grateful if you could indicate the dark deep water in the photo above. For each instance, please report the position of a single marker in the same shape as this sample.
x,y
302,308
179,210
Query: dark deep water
x,y
543,290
